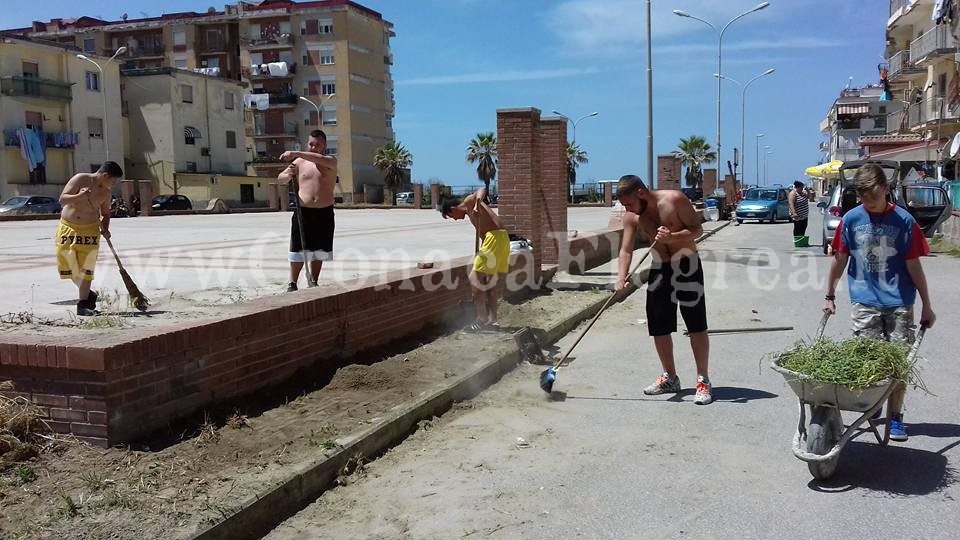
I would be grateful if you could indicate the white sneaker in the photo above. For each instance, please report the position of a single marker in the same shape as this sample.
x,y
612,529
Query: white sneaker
x,y
704,396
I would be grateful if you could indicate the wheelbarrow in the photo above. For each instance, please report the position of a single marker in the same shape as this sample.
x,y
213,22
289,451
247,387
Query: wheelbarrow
x,y
820,443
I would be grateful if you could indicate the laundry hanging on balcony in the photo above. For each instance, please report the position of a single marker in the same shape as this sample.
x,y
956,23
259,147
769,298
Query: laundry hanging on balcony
x,y
277,69
31,147
261,102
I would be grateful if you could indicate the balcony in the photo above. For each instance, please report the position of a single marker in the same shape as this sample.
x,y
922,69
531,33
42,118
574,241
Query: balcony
x,y
16,85
66,140
283,100
901,64
140,51
922,115
277,132
896,5
213,46
937,41
282,41
262,72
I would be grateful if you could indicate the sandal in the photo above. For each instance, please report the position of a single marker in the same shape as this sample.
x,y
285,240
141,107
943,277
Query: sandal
x,y
475,328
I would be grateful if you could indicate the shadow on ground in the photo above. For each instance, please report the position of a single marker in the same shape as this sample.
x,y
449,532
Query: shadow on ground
x,y
897,470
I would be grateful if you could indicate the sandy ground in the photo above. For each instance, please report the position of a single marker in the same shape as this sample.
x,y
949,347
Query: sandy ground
x,y
198,471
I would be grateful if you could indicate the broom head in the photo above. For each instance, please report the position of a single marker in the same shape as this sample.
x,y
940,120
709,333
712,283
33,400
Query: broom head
x,y
137,298
547,378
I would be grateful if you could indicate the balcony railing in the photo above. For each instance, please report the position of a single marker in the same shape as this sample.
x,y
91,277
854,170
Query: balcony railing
x,y
283,99
273,131
139,51
919,114
896,5
263,72
899,62
268,41
66,140
937,40
16,85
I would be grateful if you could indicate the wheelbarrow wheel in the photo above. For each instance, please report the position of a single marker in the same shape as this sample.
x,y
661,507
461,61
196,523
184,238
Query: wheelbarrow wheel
x,y
826,427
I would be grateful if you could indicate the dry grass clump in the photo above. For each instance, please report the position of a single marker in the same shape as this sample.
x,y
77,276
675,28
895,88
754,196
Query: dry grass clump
x,y
23,432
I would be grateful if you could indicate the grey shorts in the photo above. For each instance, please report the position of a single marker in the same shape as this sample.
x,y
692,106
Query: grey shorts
x,y
890,324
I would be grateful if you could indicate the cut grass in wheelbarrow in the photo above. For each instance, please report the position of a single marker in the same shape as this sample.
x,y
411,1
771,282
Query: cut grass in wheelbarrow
x,y
855,363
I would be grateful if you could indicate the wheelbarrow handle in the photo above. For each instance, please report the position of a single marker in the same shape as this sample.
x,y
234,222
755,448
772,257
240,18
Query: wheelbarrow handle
x,y
823,324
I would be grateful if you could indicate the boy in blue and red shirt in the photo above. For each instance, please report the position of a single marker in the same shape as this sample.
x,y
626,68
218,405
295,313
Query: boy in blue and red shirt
x,y
883,244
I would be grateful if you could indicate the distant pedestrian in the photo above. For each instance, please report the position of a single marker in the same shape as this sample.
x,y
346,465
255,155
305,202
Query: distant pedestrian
x,y
799,200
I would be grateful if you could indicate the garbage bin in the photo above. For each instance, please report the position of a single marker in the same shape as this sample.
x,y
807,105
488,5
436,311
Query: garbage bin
x,y
801,241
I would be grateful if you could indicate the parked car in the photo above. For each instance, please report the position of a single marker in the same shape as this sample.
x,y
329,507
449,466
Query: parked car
x,y
171,202
404,198
928,203
764,204
30,204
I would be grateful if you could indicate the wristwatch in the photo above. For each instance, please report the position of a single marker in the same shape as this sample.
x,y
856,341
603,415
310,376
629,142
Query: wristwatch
x,y
830,297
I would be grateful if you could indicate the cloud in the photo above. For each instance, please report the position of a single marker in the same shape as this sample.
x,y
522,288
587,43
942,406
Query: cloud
x,y
614,28
498,76
783,44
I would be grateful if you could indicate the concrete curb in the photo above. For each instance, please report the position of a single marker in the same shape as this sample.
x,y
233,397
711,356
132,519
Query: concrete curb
x,y
259,514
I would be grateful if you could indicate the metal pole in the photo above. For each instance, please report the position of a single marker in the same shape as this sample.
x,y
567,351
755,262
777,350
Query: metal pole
x,y
650,98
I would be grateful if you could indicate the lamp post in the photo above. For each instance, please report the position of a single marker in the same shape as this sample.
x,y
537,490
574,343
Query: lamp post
x,y
743,116
766,178
317,107
577,121
758,157
103,91
681,13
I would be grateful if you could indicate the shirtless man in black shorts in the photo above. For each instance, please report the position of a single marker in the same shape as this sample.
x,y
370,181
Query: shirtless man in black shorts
x,y
316,174
676,277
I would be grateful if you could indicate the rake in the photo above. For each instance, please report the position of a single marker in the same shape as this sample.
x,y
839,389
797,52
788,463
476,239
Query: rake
x,y
549,375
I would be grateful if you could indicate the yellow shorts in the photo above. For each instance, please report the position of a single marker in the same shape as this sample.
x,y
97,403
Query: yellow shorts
x,y
77,249
494,256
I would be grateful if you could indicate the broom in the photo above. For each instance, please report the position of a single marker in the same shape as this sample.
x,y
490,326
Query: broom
x,y
549,375
137,298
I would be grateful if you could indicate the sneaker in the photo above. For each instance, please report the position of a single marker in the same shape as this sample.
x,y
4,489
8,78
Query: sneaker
x,y
85,309
898,432
703,397
92,299
291,287
665,384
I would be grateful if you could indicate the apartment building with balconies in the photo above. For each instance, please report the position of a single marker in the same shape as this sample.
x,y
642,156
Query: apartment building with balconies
x,y
856,113
64,104
922,58
331,55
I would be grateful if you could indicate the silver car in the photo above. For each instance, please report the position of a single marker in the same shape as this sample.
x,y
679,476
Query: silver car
x,y
928,203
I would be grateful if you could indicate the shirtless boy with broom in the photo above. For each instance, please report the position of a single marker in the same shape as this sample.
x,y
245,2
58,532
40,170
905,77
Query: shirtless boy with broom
x,y
492,261
86,213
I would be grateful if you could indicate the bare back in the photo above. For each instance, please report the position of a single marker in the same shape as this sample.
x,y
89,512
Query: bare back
x,y
316,183
85,210
675,212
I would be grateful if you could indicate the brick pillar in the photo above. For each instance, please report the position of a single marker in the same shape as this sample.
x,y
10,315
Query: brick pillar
x,y
128,188
146,197
418,196
273,196
709,182
607,194
730,189
435,195
553,187
518,156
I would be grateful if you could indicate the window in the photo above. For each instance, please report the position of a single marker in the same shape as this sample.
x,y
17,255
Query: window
x,y
328,88
186,93
254,32
191,166
228,98
180,38
389,121
212,62
93,81
95,127
942,85
31,69
34,120
326,58
180,63
331,150
189,139
89,45
306,60
285,27
329,116
231,139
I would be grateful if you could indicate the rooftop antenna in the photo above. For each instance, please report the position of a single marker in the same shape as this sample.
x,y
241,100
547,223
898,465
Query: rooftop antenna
x,y
849,82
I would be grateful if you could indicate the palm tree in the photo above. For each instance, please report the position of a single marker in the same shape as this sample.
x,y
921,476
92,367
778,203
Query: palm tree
x,y
392,159
694,151
482,150
576,156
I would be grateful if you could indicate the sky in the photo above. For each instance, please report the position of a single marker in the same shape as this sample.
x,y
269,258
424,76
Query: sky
x,y
457,61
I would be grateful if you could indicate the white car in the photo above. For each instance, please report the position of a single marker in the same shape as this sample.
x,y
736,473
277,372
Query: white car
x,y
404,198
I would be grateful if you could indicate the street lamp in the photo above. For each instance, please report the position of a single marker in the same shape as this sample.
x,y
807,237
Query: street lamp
x,y
103,91
558,113
758,157
681,13
743,116
766,178
317,107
